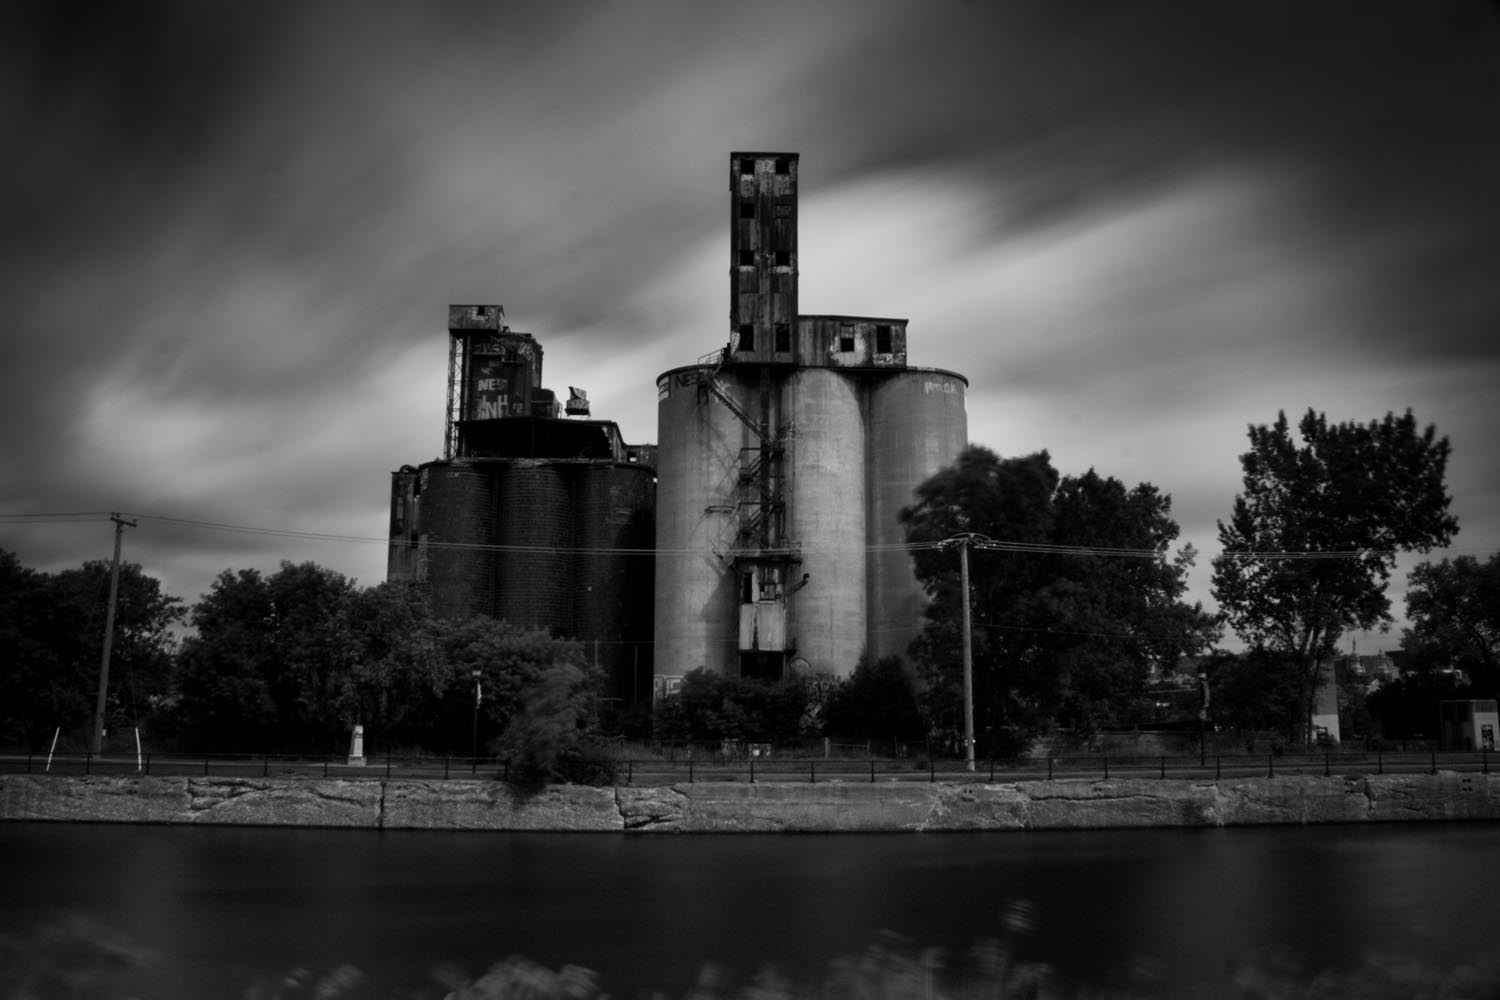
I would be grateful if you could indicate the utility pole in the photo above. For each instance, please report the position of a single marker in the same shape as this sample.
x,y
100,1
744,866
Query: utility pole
x,y
109,633
963,573
963,542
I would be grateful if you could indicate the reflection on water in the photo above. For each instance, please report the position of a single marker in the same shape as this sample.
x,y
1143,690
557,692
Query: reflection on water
x,y
179,911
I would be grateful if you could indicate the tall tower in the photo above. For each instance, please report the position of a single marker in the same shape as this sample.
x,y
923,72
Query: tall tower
x,y
784,459
762,256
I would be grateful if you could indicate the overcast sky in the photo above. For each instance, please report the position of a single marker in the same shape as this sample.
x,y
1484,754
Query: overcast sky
x,y
229,233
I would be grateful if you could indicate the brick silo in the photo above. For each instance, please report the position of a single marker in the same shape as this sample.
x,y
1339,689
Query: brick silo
x,y
540,519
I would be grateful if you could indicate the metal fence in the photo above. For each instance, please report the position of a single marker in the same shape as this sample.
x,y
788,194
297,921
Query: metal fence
x,y
687,767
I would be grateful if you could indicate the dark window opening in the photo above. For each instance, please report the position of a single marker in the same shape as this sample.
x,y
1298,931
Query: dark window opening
x,y
783,337
747,209
747,166
783,165
747,258
747,588
747,338
883,338
783,258
846,339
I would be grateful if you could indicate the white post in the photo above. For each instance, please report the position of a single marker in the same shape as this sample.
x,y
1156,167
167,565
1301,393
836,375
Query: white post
x,y
357,747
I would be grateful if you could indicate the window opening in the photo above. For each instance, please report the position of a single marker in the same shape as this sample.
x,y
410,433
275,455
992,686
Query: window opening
x,y
783,337
783,165
747,209
747,338
846,339
747,166
883,338
747,258
783,258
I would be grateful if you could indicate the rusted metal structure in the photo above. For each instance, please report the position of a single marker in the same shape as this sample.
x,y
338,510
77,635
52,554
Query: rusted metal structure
x,y
532,517
784,461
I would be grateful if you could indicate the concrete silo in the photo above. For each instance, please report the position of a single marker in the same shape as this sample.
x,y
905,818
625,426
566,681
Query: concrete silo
x,y
784,460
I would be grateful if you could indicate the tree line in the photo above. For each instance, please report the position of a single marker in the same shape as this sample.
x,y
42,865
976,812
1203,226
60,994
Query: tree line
x,y
1079,623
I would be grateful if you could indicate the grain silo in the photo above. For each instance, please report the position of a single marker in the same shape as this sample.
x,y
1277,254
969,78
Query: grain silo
x,y
784,459
535,514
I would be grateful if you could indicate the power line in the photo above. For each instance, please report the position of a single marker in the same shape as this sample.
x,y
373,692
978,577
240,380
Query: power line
x,y
979,545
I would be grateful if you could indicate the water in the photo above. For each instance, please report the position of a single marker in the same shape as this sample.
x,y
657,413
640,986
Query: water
x,y
1158,911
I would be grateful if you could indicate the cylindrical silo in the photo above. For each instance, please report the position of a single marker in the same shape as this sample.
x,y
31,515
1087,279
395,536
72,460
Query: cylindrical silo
x,y
612,593
456,507
826,517
534,580
917,425
699,443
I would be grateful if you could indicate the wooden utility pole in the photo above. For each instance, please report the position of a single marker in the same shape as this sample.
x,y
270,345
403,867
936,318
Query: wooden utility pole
x,y
109,633
963,542
963,566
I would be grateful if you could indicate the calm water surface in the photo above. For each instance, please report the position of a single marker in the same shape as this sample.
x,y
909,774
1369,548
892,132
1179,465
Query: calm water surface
x,y
1172,911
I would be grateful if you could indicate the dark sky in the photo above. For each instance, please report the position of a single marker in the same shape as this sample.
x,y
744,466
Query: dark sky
x,y
229,233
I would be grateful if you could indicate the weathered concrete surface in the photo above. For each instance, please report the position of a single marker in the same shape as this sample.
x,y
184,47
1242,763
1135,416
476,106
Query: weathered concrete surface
x,y
709,807
235,801
492,805
1126,802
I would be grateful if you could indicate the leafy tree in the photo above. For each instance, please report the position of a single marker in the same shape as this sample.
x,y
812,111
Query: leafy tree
x,y
51,641
1343,503
223,694
709,708
1253,692
399,674
268,667
509,659
553,734
877,702
1072,608
1453,608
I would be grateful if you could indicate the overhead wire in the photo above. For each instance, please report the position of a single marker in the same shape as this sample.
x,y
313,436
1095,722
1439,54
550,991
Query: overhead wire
x,y
977,543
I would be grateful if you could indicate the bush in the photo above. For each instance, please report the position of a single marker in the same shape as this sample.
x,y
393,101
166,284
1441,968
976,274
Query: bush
x,y
710,708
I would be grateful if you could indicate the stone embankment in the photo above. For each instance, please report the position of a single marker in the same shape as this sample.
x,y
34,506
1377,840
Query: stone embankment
x,y
831,807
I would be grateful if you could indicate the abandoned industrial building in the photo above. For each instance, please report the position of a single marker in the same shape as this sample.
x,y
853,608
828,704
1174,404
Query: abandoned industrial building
x,y
784,461
534,514
771,500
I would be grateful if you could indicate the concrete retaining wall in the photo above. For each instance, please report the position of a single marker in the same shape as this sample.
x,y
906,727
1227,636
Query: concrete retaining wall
x,y
828,807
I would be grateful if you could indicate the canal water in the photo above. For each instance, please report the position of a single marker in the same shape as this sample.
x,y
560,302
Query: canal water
x,y
212,911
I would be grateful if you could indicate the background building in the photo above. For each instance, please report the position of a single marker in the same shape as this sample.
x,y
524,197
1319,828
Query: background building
x,y
785,459
532,516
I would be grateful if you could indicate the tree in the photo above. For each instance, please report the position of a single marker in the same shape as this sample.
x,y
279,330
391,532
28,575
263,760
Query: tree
x,y
400,674
51,642
709,708
1254,691
1074,604
270,663
877,702
1453,608
553,733
1314,535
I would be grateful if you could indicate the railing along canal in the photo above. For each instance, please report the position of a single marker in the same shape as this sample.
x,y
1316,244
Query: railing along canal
x,y
710,767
